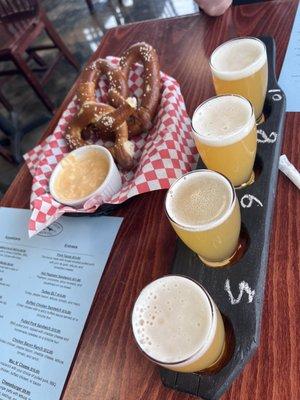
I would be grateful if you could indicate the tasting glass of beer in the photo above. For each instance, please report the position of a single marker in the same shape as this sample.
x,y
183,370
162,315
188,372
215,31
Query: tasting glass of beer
x,y
225,135
204,211
240,66
177,325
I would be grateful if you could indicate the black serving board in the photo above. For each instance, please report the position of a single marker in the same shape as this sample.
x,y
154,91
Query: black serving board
x,y
105,209
238,290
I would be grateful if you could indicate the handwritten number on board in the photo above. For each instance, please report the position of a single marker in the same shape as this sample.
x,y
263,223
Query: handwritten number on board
x,y
262,137
248,199
243,288
277,95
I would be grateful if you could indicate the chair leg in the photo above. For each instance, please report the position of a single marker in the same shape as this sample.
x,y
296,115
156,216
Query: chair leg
x,y
54,36
33,81
90,6
12,130
6,154
16,139
3,187
32,54
5,103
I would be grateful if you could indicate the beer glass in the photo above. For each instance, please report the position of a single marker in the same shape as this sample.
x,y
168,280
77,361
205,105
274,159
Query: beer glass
x,y
240,66
177,325
204,211
225,135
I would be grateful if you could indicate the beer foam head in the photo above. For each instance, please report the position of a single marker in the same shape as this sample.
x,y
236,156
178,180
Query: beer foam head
x,y
223,120
173,319
238,58
200,200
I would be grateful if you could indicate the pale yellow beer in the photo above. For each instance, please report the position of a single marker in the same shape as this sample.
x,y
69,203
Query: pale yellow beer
x,y
240,66
204,211
177,325
225,135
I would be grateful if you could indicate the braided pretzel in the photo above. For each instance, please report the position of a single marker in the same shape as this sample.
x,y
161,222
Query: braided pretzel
x,y
81,129
76,135
141,120
89,111
90,78
98,120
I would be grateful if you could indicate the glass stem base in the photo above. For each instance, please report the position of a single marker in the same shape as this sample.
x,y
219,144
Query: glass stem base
x,y
249,181
261,119
217,264
216,364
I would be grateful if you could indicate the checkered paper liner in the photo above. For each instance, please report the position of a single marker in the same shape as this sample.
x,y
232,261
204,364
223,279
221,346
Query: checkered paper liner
x,y
161,156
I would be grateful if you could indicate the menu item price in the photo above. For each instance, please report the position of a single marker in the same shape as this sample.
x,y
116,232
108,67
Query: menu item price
x,y
50,286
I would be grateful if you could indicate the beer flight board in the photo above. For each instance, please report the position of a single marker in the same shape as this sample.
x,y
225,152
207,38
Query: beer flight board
x,y
238,289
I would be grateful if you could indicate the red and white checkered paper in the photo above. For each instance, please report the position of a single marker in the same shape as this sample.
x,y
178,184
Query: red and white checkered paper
x,y
162,155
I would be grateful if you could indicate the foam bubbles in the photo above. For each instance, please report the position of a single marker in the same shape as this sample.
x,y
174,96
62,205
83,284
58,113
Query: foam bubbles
x,y
223,120
199,200
238,58
175,326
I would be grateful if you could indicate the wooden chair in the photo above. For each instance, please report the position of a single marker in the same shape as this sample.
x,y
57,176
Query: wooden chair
x,y
21,22
112,6
3,189
90,5
10,144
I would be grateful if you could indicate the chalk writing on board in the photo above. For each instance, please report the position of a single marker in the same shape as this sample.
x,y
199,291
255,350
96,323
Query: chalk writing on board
x,y
243,288
277,94
248,199
262,137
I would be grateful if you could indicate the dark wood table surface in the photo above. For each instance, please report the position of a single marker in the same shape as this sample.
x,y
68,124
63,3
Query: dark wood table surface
x,y
108,366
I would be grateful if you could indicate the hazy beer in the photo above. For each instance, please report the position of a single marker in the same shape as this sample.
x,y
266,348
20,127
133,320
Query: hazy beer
x,y
204,211
240,66
177,325
225,135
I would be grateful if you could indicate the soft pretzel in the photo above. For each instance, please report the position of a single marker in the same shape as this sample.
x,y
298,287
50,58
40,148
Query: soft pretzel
x,y
108,122
76,135
141,120
82,130
90,77
89,111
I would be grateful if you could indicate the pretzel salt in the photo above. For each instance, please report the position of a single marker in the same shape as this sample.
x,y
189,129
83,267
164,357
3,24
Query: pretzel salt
x,y
141,120
81,129
78,133
100,121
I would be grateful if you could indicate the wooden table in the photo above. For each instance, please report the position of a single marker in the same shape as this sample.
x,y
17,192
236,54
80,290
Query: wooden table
x,y
108,366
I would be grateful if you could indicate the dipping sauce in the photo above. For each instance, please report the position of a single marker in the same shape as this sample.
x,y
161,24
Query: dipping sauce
x,y
81,175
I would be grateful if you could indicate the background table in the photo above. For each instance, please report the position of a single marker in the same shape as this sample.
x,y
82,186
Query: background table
x,y
108,365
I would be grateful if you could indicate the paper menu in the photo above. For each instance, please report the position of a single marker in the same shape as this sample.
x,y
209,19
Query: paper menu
x,y
289,80
47,285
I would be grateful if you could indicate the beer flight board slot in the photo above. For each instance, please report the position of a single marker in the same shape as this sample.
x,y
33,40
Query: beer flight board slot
x,y
238,289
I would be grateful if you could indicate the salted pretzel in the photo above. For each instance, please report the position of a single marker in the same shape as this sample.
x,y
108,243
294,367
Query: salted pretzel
x,y
123,149
91,75
98,120
76,136
81,130
89,111
142,119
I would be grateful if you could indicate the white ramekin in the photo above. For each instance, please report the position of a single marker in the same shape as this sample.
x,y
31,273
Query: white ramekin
x,y
111,185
